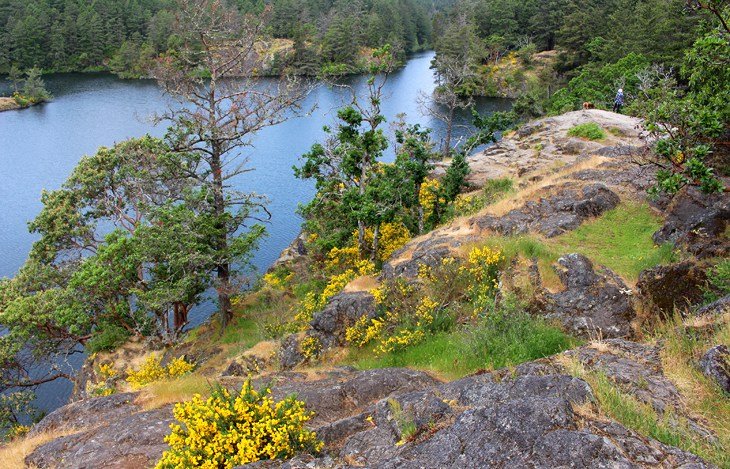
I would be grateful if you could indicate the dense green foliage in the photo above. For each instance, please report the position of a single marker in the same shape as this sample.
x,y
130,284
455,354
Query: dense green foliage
x,y
126,37
28,87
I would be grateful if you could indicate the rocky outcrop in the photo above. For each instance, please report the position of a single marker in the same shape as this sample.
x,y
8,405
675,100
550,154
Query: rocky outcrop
x,y
536,415
524,418
112,432
564,210
717,307
542,144
295,251
87,413
290,353
635,368
715,364
592,304
134,441
697,222
673,286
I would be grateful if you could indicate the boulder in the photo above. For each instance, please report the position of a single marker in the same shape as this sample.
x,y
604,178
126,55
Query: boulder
x,y
341,312
672,286
716,308
592,303
715,364
697,222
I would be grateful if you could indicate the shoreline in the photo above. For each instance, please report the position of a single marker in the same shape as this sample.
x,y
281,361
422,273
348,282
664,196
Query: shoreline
x,y
8,104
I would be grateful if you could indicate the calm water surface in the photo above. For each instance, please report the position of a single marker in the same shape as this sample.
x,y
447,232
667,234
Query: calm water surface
x,y
40,146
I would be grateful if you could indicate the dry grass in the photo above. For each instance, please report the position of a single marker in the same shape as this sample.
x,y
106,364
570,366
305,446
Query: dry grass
x,y
8,104
161,393
361,284
13,454
530,192
684,346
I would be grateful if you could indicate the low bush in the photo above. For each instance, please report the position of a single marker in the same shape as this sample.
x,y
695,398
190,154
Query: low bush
x,y
152,370
227,430
109,337
718,281
455,290
589,131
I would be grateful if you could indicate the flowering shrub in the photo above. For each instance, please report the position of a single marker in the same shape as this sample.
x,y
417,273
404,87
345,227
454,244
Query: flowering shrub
x,y
228,430
364,331
278,279
406,313
429,195
392,237
152,370
401,340
106,375
482,271
17,431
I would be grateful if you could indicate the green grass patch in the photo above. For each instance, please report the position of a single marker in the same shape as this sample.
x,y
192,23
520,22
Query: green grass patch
x,y
621,239
589,131
497,189
669,428
499,340
243,331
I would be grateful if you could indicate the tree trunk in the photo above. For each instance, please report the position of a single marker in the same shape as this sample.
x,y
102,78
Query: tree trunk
x,y
420,209
376,235
449,127
360,223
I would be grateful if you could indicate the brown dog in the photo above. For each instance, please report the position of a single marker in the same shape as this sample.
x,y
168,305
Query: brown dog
x,y
587,105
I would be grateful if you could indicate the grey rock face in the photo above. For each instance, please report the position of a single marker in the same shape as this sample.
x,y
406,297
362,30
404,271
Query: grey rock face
x,y
697,222
551,216
87,412
135,440
519,418
715,364
672,286
635,368
289,353
717,307
593,302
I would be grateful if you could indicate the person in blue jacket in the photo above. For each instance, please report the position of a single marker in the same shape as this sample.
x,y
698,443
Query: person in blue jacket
x,y
618,102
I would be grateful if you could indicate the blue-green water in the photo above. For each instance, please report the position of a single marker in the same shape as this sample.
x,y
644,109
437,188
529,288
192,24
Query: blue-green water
x,y
40,146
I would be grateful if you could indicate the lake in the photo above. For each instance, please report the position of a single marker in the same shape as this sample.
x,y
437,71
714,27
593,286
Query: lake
x,y
40,146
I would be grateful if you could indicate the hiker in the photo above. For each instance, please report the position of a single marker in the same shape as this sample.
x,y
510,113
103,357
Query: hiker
x,y
618,102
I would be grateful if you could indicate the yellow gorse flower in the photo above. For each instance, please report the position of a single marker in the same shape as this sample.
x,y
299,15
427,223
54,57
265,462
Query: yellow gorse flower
x,y
228,430
152,370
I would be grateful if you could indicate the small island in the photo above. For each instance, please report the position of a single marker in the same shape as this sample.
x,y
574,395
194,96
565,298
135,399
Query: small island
x,y
28,90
